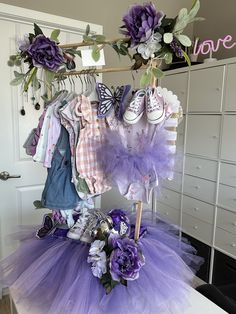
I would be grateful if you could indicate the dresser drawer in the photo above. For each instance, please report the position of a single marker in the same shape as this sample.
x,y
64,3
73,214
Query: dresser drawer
x,y
227,196
202,168
228,174
228,148
205,91
170,214
202,137
198,209
178,84
226,220
174,184
170,198
199,188
225,241
197,228
230,90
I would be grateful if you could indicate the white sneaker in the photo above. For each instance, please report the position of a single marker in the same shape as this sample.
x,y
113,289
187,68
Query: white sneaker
x,y
135,109
155,107
78,228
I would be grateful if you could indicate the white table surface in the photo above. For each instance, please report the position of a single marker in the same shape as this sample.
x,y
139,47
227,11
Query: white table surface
x,y
198,305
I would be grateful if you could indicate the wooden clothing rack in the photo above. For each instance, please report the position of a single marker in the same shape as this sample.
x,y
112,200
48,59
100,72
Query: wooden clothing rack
x,y
139,204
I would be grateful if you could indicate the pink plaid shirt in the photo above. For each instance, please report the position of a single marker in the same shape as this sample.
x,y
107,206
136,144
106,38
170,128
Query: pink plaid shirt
x,y
91,134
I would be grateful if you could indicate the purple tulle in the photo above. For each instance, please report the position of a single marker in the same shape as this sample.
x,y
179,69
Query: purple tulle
x,y
146,158
52,276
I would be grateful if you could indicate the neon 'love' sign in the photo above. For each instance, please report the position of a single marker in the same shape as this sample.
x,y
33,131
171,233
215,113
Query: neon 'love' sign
x,y
208,46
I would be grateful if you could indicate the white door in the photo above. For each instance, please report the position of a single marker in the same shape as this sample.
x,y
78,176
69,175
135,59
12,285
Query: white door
x,y
17,194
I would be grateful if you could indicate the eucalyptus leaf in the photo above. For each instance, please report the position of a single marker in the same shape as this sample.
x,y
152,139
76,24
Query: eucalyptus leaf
x,y
31,75
37,30
180,25
95,53
87,30
35,83
17,81
49,76
184,40
168,57
183,13
54,35
18,74
186,57
194,10
168,37
99,38
88,39
145,78
158,73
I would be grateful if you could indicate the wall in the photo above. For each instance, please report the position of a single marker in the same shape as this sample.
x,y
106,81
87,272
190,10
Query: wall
x,y
109,14
220,21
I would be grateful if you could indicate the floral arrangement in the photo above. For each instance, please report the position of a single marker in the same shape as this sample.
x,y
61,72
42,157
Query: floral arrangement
x,y
40,52
115,257
149,36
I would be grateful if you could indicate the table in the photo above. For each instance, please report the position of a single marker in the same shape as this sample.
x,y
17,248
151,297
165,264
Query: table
x,y
198,304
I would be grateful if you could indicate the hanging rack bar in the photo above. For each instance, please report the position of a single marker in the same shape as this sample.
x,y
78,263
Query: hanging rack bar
x,y
96,71
84,44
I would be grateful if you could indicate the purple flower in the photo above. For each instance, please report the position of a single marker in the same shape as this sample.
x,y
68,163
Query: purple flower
x,y
98,258
142,231
45,53
175,46
120,221
126,260
24,43
141,21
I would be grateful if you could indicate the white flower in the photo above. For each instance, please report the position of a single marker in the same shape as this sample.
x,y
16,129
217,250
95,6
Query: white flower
x,y
151,46
98,258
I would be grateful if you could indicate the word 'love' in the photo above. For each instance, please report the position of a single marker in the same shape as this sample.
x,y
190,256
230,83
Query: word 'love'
x,y
208,45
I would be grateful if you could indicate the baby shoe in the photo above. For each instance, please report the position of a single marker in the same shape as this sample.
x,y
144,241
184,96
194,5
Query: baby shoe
x,y
155,107
78,228
135,109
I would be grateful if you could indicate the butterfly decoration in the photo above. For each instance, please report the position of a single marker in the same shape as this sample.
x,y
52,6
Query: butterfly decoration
x,y
109,100
48,226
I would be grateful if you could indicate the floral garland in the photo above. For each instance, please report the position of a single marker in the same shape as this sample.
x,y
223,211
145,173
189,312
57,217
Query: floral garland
x,y
115,257
149,34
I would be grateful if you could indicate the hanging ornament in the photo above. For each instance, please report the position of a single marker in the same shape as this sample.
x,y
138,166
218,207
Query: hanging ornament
x,y
22,111
37,106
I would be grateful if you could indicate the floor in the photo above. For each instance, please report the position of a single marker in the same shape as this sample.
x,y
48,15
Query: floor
x,y
5,305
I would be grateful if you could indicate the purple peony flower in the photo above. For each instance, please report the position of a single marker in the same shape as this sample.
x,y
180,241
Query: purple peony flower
x,y
24,43
126,260
141,21
45,53
120,221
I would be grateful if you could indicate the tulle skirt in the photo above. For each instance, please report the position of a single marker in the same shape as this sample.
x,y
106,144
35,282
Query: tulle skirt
x,y
53,276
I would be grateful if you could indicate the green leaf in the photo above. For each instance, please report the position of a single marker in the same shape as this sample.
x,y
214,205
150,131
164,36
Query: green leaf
x,y
168,37
194,10
32,73
37,30
17,81
184,40
87,30
157,72
88,39
49,76
95,53
35,83
18,74
168,57
186,57
99,38
180,25
145,78
182,14
10,63
13,57
54,35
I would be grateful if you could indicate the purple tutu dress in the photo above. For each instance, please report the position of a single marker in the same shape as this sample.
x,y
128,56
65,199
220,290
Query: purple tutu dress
x,y
52,276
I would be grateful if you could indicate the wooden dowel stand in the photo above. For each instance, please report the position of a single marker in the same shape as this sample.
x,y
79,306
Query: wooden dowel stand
x,y
139,210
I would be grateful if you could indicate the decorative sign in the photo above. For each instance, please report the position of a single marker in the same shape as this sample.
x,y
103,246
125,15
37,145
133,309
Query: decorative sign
x,y
208,46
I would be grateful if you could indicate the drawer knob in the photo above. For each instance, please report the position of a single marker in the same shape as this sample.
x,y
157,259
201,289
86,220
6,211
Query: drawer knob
x,y
233,244
182,92
167,213
197,187
214,136
198,167
218,89
196,209
234,223
195,227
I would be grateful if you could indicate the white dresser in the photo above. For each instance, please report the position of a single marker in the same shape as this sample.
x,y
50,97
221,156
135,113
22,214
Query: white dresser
x,y
202,196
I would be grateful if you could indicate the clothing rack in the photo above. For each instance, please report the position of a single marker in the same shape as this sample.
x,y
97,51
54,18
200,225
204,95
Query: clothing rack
x,y
139,204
